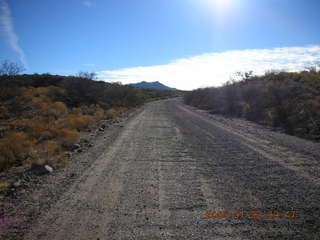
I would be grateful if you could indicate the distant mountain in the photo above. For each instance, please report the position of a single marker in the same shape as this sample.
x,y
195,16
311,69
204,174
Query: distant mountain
x,y
152,85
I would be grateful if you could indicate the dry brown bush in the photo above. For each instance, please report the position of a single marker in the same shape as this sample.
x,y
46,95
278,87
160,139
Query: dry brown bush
x,y
67,137
14,149
48,152
79,122
57,109
113,113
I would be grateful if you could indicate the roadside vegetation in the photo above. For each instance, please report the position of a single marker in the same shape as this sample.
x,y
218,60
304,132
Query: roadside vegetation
x,y
42,116
285,100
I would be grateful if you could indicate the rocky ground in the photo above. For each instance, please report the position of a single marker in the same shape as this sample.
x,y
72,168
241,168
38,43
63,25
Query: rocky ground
x,y
174,172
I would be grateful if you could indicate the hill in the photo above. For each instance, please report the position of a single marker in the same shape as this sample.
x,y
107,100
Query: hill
x,y
152,85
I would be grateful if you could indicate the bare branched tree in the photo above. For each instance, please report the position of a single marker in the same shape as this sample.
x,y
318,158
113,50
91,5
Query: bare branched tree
x,y
87,75
10,68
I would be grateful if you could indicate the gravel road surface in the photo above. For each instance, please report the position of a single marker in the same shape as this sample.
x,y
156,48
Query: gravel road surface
x,y
174,172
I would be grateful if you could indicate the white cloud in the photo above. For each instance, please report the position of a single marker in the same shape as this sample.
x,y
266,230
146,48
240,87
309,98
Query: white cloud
x,y
88,4
7,30
214,69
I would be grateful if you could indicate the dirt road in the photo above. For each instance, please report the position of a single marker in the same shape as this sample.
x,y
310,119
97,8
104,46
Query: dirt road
x,y
171,164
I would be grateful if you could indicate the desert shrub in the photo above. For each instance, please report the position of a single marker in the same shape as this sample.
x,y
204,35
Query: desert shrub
x,y
67,137
231,99
76,111
14,148
47,152
99,113
58,109
79,122
4,161
122,110
87,109
3,184
38,127
111,114
92,110
51,92
253,95
4,112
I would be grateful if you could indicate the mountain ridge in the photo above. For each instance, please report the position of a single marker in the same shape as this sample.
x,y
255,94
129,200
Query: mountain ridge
x,y
152,85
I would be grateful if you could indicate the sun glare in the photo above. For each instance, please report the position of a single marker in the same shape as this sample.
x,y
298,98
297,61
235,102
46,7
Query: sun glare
x,y
222,11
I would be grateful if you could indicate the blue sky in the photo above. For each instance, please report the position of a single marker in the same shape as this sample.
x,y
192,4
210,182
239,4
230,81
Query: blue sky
x,y
182,43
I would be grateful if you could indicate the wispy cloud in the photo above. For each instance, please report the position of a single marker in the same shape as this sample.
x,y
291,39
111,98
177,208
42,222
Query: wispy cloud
x,y
89,64
88,4
7,30
214,69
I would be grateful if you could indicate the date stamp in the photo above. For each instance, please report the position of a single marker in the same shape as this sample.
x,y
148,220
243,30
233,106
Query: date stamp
x,y
254,214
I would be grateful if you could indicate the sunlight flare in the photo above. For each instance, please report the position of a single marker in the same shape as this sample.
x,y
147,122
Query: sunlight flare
x,y
223,12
